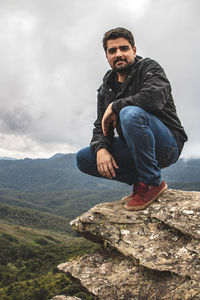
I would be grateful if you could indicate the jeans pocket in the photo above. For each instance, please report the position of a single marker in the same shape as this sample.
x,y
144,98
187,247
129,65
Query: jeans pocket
x,y
167,157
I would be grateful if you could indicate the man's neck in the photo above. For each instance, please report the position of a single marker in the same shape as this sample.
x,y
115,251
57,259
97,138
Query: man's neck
x,y
121,76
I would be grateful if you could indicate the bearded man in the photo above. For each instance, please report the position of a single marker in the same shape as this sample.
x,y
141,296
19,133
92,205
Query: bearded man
x,y
135,98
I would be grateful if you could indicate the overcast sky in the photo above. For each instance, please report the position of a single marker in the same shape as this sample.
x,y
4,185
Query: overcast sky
x,y
52,62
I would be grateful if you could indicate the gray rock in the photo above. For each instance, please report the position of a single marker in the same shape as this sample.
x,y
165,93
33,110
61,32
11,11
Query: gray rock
x,y
62,297
111,276
162,241
148,241
181,210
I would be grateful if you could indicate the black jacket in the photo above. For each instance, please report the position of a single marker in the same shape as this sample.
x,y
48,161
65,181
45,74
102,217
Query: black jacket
x,y
145,86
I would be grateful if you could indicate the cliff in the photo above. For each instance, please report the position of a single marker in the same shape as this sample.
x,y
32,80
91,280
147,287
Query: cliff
x,y
150,254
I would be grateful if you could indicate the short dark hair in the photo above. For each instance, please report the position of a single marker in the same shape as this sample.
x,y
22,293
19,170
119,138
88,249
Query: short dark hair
x,y
117,33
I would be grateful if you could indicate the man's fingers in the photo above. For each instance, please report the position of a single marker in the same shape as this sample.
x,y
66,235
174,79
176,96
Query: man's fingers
x,y
104,171
107,120
114,163
107,170
111,169
99,169
106,164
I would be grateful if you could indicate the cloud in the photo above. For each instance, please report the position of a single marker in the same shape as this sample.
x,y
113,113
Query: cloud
x,y
20,146
52,62
16,120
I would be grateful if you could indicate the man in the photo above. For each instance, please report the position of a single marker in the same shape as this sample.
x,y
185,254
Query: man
x,y
135,98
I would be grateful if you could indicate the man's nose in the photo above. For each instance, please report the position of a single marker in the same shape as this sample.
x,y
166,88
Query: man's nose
x,y
118,53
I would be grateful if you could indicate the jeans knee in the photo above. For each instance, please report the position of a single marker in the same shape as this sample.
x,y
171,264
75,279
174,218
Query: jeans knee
x,y
130,114
85,160
80,160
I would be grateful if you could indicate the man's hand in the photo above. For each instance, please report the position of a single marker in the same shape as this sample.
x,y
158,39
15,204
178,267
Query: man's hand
x,y
106,163
108,118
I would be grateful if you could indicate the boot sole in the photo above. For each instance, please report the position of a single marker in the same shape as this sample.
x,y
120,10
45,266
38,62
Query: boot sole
x,y
141,207
126,199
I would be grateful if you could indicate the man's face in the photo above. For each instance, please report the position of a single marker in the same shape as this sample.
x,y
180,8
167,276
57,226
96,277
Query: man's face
x,y
120,54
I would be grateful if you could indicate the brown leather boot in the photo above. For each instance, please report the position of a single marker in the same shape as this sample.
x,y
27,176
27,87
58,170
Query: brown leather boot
x,y
146,194
134,192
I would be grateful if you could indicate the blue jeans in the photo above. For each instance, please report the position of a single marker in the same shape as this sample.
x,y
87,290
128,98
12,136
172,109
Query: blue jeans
x,y
149,147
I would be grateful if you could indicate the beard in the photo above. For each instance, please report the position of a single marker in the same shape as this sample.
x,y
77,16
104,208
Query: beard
x,y
122,69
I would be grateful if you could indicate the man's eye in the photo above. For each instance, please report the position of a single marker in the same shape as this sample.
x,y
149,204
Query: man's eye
x,y
124,48
112,50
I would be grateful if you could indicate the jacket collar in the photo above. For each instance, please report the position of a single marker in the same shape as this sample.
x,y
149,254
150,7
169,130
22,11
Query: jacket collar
x,y
110,75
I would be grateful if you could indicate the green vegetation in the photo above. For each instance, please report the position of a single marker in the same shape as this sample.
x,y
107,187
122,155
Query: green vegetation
x,y
34,219
56,186
28,260
38,198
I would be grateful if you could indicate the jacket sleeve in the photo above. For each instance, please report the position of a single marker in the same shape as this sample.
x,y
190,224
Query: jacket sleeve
x,y
154,89
99,140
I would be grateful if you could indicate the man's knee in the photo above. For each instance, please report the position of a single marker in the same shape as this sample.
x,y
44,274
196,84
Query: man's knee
x,y
80,159
130,115
84,158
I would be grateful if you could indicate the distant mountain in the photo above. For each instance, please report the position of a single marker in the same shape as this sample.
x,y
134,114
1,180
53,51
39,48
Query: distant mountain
x,y
47,175
56,185
7,158
184,174
60,172
56,155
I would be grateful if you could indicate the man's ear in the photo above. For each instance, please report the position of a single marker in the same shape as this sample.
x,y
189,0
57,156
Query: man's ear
x,y
134,50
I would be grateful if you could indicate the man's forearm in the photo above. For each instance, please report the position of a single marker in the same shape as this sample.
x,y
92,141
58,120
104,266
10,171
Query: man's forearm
x,y
109,118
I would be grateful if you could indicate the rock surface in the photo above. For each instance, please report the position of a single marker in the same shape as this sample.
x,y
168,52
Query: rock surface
x,y
63,297
153,254
114,277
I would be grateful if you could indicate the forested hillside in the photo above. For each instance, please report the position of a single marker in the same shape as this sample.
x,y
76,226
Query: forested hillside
x,y
56,186
28,260
34,219
53,185
38,199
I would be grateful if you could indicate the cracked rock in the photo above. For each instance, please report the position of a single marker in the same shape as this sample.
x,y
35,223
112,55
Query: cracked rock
x,y
153,253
